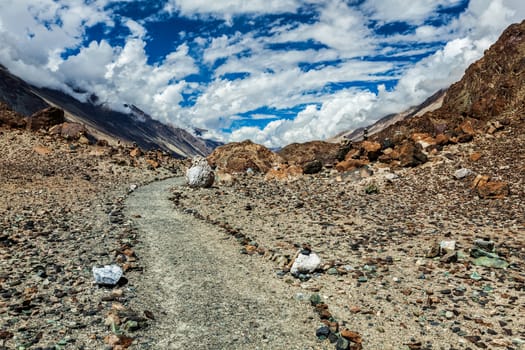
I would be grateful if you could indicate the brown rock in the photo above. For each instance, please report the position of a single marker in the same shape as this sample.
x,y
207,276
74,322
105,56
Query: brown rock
x,y
424,139
493,189
302,153
45,118
352,336
10,117
410,155
479,180
152,163
73,130
43,151
475,156
353,154
312,167
135,152
284,173
442,139
371,149
351,164
237,157
464,138
467,128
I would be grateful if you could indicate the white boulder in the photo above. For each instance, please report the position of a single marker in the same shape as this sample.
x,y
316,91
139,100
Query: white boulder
x,y
305,263
200,174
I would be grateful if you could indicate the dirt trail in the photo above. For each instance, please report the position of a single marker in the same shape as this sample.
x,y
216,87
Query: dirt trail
x,y
207,295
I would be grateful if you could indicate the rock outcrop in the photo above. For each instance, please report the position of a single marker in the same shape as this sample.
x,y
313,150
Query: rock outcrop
x,y
238,157
303,154
10,118
45,118
70,131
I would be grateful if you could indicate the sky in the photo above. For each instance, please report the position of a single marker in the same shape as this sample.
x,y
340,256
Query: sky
x,y
273,71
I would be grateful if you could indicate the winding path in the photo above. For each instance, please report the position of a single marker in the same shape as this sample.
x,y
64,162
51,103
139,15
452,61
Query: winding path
x,y
212,297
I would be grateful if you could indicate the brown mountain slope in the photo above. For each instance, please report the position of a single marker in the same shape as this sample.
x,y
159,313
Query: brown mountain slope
x,y
492,89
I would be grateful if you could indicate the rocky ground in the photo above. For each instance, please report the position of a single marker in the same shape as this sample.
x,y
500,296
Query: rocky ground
x,y
377,234
60,215
382,283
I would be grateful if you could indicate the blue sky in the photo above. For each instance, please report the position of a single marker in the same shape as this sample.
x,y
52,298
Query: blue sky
x,y
274,71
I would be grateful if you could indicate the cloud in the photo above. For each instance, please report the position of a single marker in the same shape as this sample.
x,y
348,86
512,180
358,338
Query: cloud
x,y
228,8
398,10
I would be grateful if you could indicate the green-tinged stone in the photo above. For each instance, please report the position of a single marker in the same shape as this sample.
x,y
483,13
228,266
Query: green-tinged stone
x,y
486,261
362,279
131,326
476,253
462,255
332,271
315,299
475,276
342,344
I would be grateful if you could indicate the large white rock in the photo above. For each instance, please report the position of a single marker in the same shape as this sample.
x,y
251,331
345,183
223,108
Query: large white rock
x,y
305,263
200,174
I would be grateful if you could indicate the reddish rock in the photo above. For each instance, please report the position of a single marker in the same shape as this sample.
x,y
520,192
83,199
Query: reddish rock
x,y
493,190
303,153
237,157
467,128
152,163
73,130
475,156
410,155
424,139
350,164
371,149
45,118
135,152
70,131
479,180
283,173
43,151
352,336
353,154
11,118
442,139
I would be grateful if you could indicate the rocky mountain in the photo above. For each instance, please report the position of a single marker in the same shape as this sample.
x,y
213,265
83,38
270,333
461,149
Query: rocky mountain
x,y
489,96
432,103
136,126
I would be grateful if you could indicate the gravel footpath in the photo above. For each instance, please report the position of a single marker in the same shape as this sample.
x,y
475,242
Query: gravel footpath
x,y
205,295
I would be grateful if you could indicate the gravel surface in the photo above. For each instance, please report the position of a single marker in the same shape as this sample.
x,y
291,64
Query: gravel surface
x,y
207,295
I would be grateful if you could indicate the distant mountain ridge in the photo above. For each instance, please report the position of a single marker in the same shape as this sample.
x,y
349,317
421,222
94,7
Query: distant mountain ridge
x,y
134,127
431,103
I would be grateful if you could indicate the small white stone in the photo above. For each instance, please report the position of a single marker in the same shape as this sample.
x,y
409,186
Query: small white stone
x,y
108,275
447,247
462,173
